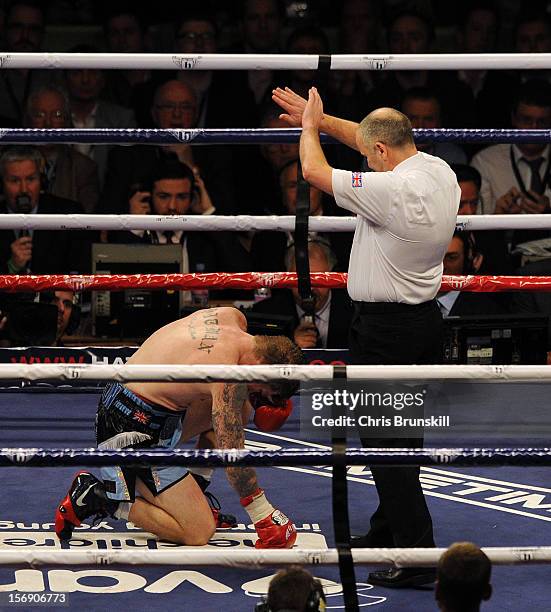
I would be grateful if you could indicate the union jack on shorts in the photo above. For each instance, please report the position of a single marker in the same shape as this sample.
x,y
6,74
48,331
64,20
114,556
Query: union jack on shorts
x,y
356,179
141,417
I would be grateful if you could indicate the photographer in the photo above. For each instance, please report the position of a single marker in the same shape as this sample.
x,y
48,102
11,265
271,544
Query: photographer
x,y
40,319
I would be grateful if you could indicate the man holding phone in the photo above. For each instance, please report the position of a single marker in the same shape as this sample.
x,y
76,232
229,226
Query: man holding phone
x,y
172,189
515,178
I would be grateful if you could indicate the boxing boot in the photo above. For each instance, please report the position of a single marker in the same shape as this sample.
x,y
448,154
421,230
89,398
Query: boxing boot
x,y
85,498
222,520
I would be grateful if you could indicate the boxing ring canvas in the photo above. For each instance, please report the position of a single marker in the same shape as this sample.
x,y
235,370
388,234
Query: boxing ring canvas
x,y
500,506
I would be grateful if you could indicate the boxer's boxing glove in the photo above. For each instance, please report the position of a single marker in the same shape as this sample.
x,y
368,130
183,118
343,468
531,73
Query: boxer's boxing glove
x,y
274,529
272,418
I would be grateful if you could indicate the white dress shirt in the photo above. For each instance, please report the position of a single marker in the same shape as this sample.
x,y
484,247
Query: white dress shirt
x,y
446,302
88,122
494,165
406,219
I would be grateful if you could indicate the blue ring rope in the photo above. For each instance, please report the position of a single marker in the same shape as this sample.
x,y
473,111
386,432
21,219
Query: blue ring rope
x,y
244,136
40,457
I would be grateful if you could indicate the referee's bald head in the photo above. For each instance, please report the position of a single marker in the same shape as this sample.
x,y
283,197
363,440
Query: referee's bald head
x,y
388,126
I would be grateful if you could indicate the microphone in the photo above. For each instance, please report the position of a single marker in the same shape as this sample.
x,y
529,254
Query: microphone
x,y
23,203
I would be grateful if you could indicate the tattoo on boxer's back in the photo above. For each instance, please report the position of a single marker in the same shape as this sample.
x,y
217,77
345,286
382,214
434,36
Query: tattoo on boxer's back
x,y
207,331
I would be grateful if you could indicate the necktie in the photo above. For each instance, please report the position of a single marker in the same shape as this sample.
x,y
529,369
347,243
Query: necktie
x,y
314,320
168,235
536,184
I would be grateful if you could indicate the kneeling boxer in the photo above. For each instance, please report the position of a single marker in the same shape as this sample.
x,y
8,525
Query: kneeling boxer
x,y
168,501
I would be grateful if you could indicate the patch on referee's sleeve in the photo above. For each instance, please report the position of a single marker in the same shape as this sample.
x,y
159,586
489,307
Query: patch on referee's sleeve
x,y
356,179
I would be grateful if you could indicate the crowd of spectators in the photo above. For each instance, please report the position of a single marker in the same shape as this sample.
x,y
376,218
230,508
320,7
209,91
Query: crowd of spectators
x,y
498,179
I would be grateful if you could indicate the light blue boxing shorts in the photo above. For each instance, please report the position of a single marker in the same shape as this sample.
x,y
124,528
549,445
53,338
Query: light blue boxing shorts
x,y
124,420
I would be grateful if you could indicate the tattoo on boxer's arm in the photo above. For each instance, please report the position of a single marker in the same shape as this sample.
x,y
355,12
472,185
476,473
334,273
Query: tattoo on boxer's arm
x,y
227,405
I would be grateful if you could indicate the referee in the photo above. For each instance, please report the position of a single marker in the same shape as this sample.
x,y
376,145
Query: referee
x,y
406,213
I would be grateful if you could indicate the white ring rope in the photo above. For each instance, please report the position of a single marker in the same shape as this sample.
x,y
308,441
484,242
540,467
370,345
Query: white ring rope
x,y
221,61
188,223
256,559
268,373
241,223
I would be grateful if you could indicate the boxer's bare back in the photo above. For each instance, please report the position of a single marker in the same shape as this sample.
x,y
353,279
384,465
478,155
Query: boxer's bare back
x,y
209,336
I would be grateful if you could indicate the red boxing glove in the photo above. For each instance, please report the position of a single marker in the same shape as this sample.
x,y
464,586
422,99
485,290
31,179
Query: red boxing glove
x,y
274,529
272,418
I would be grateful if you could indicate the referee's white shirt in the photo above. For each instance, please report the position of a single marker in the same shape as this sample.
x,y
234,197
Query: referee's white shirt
x,y
406,219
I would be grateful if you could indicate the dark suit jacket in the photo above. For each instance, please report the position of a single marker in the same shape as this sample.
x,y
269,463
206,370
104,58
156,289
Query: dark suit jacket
x,y
221,110
476,304
54,251
76,178
109,115
269,248
340,313
534,302
131,165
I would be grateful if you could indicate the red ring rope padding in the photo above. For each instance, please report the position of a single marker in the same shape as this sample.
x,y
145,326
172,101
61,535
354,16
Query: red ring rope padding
x,y
246,280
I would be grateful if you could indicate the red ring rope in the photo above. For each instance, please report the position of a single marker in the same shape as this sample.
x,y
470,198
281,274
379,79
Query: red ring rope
x,y
246,280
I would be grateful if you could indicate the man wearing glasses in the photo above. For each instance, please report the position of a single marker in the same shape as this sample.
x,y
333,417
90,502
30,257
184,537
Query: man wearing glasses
x,y
67,172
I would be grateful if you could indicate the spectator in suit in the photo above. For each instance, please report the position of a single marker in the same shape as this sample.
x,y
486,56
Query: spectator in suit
x,y
28,319
488,92
492,243
463,258
197,33
532,35
534,302
67,173
258,188
172,189
360,31
515,177
25,26
260,24
463,578
38,252
333,309
89,110
413,32
422,107
310,40
174,107
67,313
125,30
269,248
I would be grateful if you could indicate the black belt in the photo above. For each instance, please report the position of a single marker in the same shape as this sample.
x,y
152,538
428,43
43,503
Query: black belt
x,y
391,307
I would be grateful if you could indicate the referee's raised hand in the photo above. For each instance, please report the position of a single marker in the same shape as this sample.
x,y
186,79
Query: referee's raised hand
x,y
291,103
313,112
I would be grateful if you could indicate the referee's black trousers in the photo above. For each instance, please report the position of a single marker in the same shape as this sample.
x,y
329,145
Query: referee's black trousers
x,y
397,334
